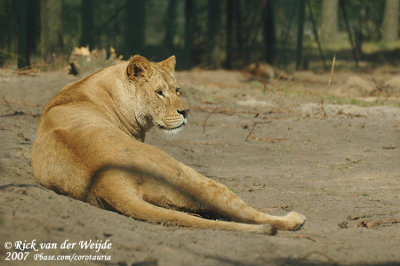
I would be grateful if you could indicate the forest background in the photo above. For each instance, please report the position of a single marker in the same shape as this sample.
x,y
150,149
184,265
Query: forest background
x,y
289,34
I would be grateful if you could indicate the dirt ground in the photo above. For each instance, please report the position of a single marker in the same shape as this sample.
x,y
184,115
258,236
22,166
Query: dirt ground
x,y
265,140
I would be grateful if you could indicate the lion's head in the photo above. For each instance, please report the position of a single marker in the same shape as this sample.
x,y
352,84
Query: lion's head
x,y
157,94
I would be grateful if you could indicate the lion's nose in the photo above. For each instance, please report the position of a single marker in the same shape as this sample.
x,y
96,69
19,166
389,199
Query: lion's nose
x,y
183,112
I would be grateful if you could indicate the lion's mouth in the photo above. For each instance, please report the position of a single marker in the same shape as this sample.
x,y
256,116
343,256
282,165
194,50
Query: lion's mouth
x,y
170,128
173,128
173,131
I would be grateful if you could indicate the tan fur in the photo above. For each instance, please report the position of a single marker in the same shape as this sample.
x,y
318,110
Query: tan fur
x,y
89,145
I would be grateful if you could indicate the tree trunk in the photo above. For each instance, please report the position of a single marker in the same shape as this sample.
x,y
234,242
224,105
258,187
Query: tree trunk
x,y
315,31
214,21
300,31
51,29
134,27
23,50
346,20
390,27
269,33
87,36
170,22
33,25
239,32
188,32
329,24
229,23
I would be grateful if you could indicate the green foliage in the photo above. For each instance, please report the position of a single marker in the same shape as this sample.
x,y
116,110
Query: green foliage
x,y
367,16
72,23
361,102
8,31
255,84
260,30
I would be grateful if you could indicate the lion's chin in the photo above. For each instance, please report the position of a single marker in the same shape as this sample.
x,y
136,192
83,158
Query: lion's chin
x,y
173,131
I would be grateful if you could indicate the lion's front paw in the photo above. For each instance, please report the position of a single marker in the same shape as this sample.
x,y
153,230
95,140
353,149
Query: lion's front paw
x,y
295,221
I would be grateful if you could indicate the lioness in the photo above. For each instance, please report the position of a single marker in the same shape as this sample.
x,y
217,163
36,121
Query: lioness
x,y
89,145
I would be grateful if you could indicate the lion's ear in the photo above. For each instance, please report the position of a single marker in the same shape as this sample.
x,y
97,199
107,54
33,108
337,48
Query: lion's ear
x,y
138,67
169,63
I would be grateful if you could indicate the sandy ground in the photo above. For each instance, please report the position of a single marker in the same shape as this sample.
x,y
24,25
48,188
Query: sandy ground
x,y
265,141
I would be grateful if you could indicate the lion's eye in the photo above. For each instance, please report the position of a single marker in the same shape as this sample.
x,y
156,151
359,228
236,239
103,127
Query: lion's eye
x,y
178,91
160,93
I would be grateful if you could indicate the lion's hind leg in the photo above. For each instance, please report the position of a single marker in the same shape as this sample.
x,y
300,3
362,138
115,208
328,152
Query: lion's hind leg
x,y
223,200
117,192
